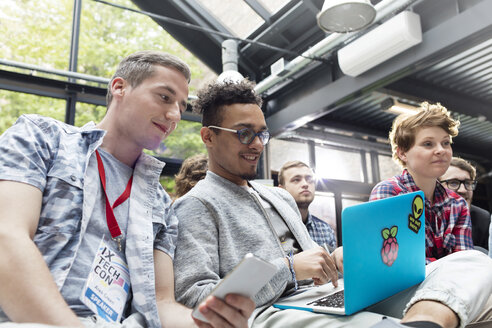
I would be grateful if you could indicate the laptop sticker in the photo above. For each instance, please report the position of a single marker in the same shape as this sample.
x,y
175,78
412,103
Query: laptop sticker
x,y
417,211
389,252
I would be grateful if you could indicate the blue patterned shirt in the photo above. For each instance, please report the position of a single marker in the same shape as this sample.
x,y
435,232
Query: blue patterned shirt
x,y
320,231
59,160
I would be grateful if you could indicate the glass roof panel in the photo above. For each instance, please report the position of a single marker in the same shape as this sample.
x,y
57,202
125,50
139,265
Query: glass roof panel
x,y
273,5
236,15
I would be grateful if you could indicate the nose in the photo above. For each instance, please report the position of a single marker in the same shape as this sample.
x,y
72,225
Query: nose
x,y
173,113
256,144
462,190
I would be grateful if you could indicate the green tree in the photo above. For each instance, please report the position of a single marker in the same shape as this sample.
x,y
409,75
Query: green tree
x,y
38,32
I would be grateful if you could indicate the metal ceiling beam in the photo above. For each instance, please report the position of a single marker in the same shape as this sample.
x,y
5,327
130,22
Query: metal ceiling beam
x,y
460,147
352,142
287,31
452,100
41,86
259,9
47,87
344,126
204,45
297,107
275,28
200,16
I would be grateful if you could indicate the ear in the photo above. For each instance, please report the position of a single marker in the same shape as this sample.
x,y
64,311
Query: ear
x,y
207,136
118,87
401,155
281,186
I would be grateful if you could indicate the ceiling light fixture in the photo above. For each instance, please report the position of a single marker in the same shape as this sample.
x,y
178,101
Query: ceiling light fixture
x,y
398,107
344,16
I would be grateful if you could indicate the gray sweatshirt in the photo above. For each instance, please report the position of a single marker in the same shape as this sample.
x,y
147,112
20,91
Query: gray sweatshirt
x,y
219,223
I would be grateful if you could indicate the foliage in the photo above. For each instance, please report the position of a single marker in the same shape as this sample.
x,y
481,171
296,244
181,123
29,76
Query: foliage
x,y
184,142
13,104
38,32
169,185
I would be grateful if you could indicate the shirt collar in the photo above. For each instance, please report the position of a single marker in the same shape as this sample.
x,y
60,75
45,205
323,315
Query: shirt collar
x,y
440,193
408,181
309,219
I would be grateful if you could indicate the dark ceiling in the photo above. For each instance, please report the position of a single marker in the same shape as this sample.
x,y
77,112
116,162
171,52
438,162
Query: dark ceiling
x,y
452,65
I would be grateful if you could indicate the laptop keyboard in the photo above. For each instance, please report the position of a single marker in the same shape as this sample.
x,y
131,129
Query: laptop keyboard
x,y
336,300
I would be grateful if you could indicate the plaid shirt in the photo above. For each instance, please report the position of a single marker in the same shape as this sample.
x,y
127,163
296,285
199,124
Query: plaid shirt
x,y
447,220
320,231
59,160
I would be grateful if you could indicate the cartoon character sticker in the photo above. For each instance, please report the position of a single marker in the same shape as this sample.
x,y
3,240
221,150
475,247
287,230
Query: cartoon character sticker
x,y
417,211
389,252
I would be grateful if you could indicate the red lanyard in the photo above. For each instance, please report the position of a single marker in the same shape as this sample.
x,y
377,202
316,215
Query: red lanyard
x,y
113,226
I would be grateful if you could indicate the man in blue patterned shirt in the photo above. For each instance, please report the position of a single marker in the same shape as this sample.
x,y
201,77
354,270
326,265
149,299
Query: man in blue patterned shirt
x,y
298,179
57,231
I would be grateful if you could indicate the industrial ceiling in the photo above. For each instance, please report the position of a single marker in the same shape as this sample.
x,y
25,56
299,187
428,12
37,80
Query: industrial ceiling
x,y
316,100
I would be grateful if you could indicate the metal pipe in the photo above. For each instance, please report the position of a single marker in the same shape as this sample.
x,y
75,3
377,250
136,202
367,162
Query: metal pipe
x,y
74,44
383,9
53,71
229,55
72,62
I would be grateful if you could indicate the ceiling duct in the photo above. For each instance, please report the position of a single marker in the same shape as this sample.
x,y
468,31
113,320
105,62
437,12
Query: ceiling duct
x,y
230,58
384,9
385,41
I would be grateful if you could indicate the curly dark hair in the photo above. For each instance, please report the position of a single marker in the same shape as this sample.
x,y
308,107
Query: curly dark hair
x,y
213,97
192,170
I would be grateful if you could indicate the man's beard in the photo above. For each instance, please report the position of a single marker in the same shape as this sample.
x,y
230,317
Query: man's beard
x,y
303,205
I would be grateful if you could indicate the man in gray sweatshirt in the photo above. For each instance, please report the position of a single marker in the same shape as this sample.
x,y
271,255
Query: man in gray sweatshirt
x,y
226,216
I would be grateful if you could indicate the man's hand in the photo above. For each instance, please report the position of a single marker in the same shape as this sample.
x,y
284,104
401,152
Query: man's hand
x,y
233,312
316,264
337,257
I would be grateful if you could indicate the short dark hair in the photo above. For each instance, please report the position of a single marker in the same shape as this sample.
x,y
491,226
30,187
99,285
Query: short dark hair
x,y
192,170
286,166
139,66
213,97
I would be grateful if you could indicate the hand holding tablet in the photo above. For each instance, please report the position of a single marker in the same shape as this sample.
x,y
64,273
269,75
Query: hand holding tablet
x,y
246,279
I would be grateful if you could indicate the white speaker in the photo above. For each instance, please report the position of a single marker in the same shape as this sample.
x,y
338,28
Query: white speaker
x,y
385,41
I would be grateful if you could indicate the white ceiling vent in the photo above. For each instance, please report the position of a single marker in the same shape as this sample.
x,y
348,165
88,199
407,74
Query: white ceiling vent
x,y
394,36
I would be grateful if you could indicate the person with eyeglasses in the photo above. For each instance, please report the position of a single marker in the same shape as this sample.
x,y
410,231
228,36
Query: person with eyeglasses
x,y
227,215
460,178
421,145
87,236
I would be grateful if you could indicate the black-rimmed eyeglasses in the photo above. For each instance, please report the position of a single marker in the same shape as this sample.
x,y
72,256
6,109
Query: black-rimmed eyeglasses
x,y
455,184
246,135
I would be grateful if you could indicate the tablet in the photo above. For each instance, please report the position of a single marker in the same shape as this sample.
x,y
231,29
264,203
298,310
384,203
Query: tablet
x,y
246,279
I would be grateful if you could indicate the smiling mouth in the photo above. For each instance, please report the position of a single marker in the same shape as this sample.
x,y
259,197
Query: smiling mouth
x,y
163,128
251,158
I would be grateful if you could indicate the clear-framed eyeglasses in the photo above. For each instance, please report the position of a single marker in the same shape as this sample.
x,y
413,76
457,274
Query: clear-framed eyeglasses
x,y
455,184
246,135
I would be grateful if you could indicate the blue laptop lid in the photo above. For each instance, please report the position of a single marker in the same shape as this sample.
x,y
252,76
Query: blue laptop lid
x,y
383,248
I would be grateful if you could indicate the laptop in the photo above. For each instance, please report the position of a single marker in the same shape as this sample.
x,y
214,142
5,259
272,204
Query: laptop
x,y
383,254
